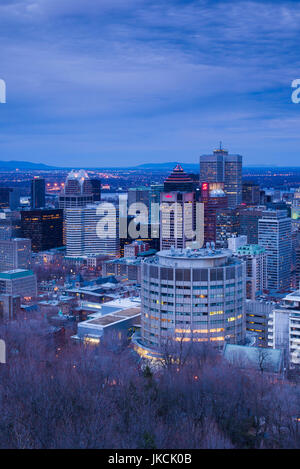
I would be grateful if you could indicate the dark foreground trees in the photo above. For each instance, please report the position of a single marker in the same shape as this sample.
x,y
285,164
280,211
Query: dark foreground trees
x,y
57,395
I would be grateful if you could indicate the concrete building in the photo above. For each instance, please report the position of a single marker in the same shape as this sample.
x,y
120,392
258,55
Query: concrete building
x,y
236,242
10,306
117,316
284,328
15,254
133,249
274,234
78,190
257,317
10,224
82,235
213,198
194,295
181,216
18,282
225,168
256,261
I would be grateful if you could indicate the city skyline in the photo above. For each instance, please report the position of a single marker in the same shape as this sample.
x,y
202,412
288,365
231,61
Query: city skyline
x,y
148,81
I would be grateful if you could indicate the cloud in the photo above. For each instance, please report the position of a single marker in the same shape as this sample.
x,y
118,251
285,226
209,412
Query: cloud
x,y
166,75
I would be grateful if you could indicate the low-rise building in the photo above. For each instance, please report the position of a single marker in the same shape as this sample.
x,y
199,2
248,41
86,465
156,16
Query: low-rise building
x,y
284,328
118,316
19,282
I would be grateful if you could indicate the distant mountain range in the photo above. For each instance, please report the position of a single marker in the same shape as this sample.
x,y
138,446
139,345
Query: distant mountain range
x,y
23,165
189,167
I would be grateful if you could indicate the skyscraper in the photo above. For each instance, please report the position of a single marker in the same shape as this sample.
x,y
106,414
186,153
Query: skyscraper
x,y
251,193
214,198
256,269
38,193
274,234
78,190
44,227
82,236
221,167
180,214
96,189
9,198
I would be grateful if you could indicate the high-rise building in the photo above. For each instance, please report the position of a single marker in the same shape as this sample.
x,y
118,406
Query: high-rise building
x,y
213,198
181,216
82,236
10,224
233,179
78,190
227,225
44,227
250,193
212,167
248,218
296,206
192,295
221,167
15,254
38,193
256,260
284,328
274,234
96,189
9,198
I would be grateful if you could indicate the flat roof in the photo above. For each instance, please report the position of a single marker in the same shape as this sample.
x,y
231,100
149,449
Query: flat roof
x,y
14,274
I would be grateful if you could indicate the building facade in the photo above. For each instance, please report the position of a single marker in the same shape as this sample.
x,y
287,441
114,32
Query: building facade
x,y
194,295
274,234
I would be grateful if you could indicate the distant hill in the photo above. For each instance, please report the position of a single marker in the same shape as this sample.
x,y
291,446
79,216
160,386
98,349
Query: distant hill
x,y
23,165
167,166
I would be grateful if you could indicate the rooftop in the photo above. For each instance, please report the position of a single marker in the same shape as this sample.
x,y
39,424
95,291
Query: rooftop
x,y
14,274
251,249
254,357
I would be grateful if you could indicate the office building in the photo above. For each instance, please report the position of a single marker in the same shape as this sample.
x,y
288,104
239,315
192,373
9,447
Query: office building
x,y
18,282
10,224
9,198
257,317
250,193
44,227
15,254
181,216
274,234
256,261
221,167
213,198
227,225
194,295
284,328
236,242
38,193
82,236
78,190
10,306
96,189
248,220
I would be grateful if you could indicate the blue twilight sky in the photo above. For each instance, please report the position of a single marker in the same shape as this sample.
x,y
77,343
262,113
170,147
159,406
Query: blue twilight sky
x,y
119,82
